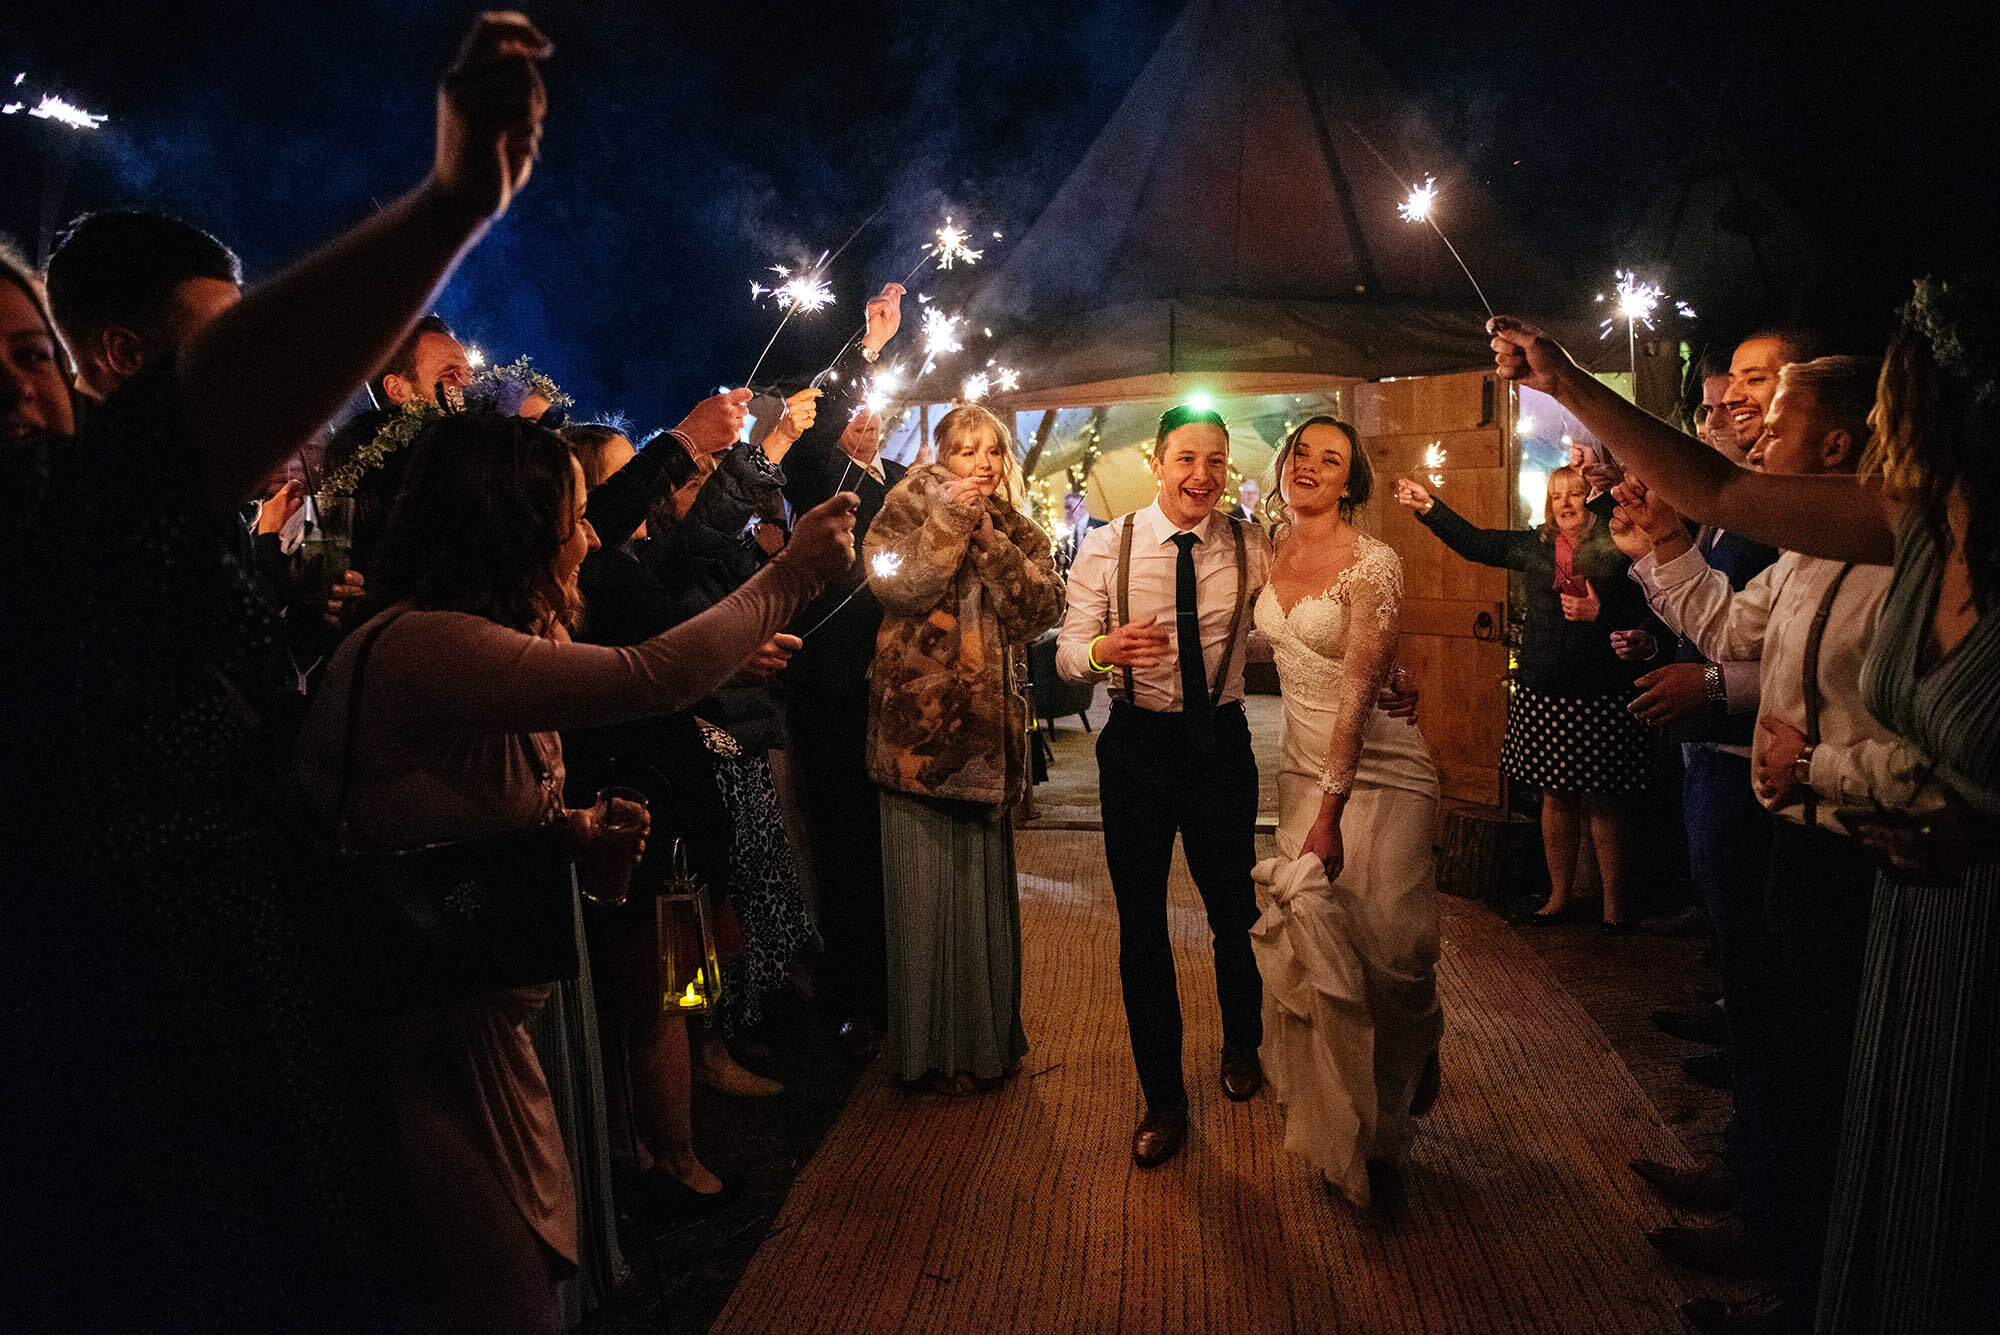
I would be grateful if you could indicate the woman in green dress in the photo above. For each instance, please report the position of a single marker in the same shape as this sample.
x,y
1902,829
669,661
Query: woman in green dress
x,y
965,581
1916,1217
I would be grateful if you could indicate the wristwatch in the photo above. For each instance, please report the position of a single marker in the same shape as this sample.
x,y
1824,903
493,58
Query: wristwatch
x,y
1711,683
1802,768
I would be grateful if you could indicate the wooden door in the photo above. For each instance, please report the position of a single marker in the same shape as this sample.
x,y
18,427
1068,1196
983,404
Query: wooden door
x,y
1454,612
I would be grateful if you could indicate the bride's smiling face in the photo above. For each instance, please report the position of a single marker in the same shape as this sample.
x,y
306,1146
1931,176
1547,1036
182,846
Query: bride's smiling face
x,y
1316,470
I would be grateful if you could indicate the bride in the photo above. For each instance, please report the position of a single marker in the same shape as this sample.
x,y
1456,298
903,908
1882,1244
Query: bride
x,y
1349,933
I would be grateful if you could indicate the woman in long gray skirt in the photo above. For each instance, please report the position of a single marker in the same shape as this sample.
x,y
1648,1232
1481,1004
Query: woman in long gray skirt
x,y
965,581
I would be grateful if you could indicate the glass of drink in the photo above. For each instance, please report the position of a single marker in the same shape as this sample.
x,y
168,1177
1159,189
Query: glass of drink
x,y
604,873
328,546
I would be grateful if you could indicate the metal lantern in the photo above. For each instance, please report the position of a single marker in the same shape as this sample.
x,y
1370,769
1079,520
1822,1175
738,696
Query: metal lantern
x,y
684,925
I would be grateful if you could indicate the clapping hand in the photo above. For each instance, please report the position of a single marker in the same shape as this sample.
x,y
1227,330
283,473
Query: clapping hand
x,y
490,107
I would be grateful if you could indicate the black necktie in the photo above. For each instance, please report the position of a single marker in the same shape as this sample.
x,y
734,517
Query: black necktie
x,y
1196,707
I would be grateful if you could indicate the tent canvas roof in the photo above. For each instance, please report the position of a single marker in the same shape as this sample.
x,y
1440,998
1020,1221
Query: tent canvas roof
x,y
1238,215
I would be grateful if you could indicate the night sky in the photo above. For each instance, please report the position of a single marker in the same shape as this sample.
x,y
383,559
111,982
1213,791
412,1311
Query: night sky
x,y
690,147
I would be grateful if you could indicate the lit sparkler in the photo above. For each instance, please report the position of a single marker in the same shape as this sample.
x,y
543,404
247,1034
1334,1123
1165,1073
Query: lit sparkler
x,y
53,108
807,292
886,563
1434,460
1635,304
882,388
1417,209
951,246
475,358
940,334
1007,379
976,387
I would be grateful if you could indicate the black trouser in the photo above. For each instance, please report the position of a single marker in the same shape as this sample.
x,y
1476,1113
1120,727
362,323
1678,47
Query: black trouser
x,y
1152,784
1729,841
1816,909
829,752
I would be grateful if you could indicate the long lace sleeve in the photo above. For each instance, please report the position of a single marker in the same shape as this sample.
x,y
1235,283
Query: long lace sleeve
x,y
1374,596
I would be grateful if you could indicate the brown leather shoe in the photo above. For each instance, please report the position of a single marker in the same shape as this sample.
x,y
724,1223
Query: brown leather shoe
x,y
1159,1138
1706,1187
1242,1074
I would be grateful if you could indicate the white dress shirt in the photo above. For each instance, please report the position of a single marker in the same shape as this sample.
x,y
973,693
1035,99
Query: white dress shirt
x,y
1857,761
1093,601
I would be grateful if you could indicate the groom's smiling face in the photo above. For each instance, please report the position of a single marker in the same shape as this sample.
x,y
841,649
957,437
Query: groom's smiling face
x,y
1191,465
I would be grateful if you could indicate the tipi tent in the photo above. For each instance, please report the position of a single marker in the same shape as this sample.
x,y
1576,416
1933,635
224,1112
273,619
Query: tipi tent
x,y
1236,220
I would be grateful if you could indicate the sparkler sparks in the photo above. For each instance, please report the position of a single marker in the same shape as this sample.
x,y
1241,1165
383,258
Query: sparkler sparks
x,y
976,387
1434,461
475,358
1007,379
1417,208
1635,303
951,246
940,334
881,390
53,108
886,564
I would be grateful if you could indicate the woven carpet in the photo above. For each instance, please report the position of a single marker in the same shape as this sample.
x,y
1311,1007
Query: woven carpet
x,y
1021,1209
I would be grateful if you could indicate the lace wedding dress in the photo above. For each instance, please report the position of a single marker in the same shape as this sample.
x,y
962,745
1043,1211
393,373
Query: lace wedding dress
x,y
1351,1014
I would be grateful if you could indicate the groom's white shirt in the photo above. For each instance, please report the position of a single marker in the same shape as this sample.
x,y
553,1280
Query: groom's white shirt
x,y
1093,600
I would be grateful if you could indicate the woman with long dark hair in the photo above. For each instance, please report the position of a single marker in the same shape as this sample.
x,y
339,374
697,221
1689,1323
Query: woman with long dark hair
x,y
469,672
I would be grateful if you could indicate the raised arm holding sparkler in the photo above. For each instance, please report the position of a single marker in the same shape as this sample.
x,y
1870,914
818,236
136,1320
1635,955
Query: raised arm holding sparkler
x,y
1831,516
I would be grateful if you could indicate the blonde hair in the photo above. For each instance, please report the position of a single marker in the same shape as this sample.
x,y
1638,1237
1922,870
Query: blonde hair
x,y
1842,388
1548,525
957,427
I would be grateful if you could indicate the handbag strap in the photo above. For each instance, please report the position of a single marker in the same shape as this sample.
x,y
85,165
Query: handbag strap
x,y
353,729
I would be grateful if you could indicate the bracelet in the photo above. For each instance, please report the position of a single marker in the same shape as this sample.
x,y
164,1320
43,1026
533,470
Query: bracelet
x,y
1091,656
1711,680
869,354
1802,769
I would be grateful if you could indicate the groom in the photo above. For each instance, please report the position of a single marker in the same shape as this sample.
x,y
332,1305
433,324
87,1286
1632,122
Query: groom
x,y
1159,606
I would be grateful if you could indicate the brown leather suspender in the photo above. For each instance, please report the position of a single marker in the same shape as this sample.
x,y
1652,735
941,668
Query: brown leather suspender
x,y
1236,527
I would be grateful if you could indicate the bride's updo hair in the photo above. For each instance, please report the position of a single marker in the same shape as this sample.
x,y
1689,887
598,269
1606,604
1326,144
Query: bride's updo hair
x,y
1277,508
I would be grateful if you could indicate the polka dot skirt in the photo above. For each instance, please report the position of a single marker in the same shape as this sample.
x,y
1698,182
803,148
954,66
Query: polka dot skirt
x,y
1588,744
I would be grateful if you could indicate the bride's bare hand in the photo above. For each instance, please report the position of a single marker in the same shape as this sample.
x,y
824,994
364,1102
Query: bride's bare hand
x,y
1323,842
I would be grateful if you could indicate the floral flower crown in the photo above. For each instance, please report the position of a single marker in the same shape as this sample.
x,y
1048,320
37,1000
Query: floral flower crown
x,y
502,389
506,388
1938,311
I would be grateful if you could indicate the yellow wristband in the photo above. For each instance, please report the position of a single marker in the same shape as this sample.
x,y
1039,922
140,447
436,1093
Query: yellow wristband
x,y
1096,666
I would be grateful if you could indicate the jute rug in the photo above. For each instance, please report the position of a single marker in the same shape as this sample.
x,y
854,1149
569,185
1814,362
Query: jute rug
x,y
1021,1209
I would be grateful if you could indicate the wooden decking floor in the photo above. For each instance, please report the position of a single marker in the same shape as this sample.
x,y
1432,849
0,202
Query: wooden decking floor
x,y
1021,1209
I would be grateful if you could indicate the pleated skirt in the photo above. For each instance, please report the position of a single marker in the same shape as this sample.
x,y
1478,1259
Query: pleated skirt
x,y
953,922
1914,1242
